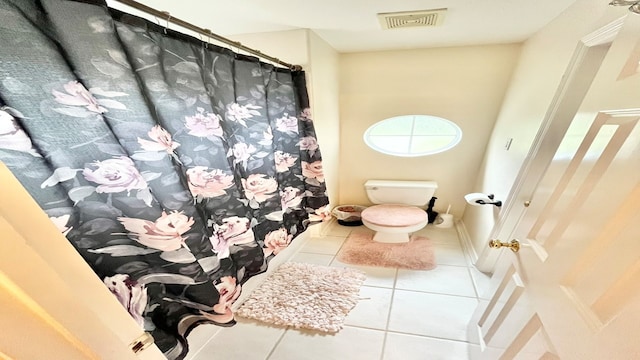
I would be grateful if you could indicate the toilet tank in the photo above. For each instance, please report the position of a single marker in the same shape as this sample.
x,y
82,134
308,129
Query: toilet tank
x,y
416,193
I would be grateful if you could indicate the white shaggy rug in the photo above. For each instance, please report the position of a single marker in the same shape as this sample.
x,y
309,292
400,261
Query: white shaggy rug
x,y
305,296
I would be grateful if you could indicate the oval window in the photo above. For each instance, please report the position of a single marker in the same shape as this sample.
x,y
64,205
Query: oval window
x,y
413,135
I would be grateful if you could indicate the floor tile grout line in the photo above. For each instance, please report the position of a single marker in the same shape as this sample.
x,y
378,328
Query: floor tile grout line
x,y
395,278
428,336
437,293
384,343
344,239
386,325
384,338
194,357
378,287
439,264
363,327
277,343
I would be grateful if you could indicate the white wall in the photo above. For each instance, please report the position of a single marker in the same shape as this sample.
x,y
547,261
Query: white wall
x,y
542,64
463,84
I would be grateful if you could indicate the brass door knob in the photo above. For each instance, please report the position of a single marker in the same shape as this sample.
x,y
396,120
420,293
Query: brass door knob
x,y
514,244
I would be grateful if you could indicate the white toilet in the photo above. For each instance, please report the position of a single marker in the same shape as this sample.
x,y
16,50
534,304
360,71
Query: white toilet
x,y
398,213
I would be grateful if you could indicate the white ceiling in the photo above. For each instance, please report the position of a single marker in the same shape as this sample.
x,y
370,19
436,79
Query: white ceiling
x,y
352,25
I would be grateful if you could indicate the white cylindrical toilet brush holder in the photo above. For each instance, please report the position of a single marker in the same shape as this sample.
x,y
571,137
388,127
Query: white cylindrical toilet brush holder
x,y
445,220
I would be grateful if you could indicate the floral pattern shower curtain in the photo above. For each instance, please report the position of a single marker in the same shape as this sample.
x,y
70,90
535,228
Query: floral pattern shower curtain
x,y
176,168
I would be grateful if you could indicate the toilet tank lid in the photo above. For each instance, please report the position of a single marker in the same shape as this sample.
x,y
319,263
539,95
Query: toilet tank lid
x,y
400,183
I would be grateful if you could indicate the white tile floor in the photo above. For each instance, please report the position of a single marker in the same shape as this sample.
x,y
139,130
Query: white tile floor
x,y
404,314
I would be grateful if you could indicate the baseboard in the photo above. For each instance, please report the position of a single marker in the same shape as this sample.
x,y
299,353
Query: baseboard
x,y
465,240
323,228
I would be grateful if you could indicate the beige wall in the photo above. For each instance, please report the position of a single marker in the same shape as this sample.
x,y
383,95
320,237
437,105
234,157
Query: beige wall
x,y
320,62
542,64
323,83
288,46
463,84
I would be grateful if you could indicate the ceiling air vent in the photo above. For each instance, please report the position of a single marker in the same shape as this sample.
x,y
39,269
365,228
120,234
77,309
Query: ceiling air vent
x,y
406,19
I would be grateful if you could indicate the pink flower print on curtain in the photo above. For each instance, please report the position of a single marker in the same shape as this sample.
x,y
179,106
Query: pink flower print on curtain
x,y
164,234
161,141
229,291
130,294
78,95
313,170
308,143
283,161
240,113
241,153
287,124
208,184
267,137
305,114
258,188
115,175
204,124
14,138
321,214
276,241
233,231
290,198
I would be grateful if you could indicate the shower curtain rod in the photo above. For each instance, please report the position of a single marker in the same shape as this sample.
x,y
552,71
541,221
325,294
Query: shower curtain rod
x,y
169,18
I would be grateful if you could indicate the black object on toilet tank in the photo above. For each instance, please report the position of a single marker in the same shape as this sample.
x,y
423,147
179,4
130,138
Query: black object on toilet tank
x,y
431,215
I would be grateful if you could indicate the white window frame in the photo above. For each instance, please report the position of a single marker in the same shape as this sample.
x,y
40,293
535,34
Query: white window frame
x,y
455,140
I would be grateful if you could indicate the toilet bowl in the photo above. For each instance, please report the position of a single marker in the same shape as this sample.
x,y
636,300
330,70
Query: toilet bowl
x,y
397,213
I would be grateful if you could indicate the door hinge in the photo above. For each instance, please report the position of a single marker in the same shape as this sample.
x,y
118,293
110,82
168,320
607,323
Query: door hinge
x,y
141,343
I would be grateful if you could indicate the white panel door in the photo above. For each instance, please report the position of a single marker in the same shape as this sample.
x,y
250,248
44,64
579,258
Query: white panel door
x,y
572,291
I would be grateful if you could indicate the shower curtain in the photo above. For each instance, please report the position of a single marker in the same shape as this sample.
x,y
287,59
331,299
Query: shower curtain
x,y
176,168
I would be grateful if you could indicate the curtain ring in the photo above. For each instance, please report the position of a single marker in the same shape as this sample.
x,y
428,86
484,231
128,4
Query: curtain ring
x,y
206,44
202,43
168,15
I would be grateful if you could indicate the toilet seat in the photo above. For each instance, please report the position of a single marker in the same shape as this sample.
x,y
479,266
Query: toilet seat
x,y
394,215
393,223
